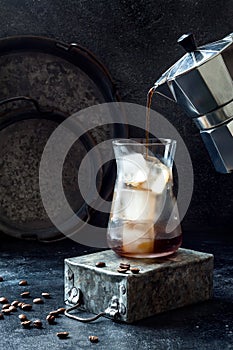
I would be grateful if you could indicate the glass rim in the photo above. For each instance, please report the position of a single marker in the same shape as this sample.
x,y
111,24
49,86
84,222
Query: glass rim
x,y
143,142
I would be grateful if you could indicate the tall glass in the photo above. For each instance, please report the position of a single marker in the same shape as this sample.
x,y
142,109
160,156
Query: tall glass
x,y
144,219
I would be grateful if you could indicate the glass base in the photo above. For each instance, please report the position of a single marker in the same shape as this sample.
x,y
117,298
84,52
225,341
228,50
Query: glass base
x,y
163,247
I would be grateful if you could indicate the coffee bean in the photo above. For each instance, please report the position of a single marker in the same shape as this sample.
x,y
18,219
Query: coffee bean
x,y
54,313
1,279
62,335
15,303
26,324
20,304
38,301
23,283
50,319
1,316
122,270
100,264
45,295
23,317
61,310
124,266
3,300
25,294
135,270
6,306
6,311
26,307
37,324
13,308
93,339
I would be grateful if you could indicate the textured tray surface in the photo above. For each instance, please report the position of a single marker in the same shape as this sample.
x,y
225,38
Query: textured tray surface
x,y
162,284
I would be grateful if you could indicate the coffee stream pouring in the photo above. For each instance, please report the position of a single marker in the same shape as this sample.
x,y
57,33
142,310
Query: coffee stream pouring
x,y
201,83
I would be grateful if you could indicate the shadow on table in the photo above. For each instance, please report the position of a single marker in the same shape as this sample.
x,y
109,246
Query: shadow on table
x,y
213,312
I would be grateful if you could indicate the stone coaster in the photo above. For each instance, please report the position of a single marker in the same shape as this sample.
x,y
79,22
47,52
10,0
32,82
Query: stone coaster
x,y
162,284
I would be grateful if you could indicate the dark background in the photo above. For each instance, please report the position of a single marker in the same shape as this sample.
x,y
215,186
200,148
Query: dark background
x,y
136,40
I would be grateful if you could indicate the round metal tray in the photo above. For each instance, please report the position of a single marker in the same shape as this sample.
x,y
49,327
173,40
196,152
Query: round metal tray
x,y
44,81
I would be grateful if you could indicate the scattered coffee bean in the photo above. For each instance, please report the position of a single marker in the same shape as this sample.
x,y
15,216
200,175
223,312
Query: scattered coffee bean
x,y
23,283
6,306
38,301
122,270
50,319
13,308
100,264
1,279
37,324
15,303
93,339
61,310
25,294
6,311
54,313
26,324
23,317
3,300
1,316
124,266
45,295
20,304
135,270
62,335
26,307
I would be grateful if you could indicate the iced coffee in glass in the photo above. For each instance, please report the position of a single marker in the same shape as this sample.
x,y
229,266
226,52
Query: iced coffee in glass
x,y
144,219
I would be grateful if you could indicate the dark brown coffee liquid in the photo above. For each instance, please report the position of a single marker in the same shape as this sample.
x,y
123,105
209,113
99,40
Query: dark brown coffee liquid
x,y
163,247
148,105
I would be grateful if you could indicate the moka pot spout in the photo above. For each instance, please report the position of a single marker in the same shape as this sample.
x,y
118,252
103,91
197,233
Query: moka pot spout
x,y
162,87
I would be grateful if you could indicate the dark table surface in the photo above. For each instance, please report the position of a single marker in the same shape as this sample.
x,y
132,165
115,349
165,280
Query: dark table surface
x,y
207,325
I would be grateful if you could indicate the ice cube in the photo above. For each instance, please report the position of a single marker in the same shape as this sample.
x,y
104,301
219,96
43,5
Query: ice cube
x,y
135,169
134,204
138,237
159,179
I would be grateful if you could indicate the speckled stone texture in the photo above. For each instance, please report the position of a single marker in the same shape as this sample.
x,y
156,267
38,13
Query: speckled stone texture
x,y
162,284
